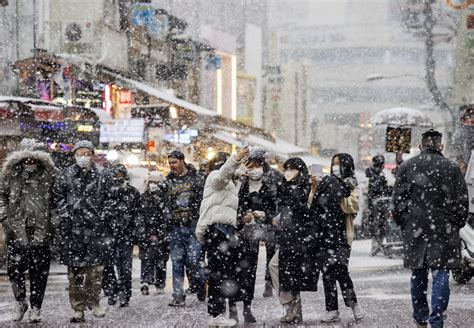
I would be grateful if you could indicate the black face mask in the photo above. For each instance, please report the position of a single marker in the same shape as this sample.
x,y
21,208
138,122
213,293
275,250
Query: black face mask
x,y
119,180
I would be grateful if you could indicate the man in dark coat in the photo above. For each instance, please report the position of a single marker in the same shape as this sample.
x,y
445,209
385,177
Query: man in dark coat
x,y
83,203
430,203
25,210
183,189
127,213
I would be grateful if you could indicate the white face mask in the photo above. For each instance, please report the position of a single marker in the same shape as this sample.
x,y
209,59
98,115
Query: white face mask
x,y
336,170
255,174
30,168
83,161
290,174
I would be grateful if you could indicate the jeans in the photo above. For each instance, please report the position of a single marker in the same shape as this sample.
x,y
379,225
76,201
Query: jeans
x,y
439,296
120,283
185,250
34,259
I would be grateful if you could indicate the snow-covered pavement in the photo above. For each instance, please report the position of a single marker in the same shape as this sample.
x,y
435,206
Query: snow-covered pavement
x,y
382,289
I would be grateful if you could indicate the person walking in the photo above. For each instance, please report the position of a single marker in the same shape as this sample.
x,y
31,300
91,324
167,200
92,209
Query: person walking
x,y
26,183
154,237
127,210
293,268
335,248
257,207
83,203
378,189
216,229
183,194
430,204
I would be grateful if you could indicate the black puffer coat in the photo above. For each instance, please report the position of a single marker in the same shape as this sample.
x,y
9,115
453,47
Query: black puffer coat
x,y
430,203
84,206
296,237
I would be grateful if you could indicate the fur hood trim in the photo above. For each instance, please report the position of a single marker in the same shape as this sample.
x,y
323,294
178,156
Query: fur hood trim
x,y
16,157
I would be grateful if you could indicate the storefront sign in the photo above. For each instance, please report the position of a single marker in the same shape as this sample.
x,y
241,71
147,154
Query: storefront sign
x,y
123,131
144,14
49,115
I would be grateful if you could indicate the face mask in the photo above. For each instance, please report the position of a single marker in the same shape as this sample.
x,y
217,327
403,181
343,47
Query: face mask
x,y
255,174
83,161
30,168
336,170
290,174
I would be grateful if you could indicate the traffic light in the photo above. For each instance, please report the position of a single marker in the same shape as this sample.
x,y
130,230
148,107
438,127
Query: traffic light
x,y
150,146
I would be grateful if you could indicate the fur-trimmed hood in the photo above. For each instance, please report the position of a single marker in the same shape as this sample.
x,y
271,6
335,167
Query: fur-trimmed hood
x,y
11,163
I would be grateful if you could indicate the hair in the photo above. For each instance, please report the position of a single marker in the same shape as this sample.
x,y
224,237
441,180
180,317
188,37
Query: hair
x,y
176,154
431,139
378,161
347,165
218,160
296,163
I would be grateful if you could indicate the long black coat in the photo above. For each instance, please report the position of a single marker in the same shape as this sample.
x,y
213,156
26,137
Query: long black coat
x,y
84,207
155,222
430,204
331,221
297,239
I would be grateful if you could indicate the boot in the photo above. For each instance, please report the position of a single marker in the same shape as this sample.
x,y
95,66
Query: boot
x,y
248,316
233,314
268,289
77,316
144,289
294,313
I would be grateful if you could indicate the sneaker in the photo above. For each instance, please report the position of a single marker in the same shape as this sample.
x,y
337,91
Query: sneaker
x,y
268,290
124,303
144,289
293,310
160,291
34,316
330,316
249,317
177,303
98,311
78,316
221,322
357,311
19,311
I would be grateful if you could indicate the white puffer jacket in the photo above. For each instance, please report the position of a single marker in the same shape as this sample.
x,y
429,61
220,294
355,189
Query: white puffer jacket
x,y
220,199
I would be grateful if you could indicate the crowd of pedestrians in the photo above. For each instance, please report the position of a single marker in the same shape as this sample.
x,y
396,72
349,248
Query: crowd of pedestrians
x,y
211,223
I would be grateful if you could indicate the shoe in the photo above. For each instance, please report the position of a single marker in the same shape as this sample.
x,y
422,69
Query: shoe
x,y
160,291
177,303
375,248
249,317
144,289
19,311
330,316
98,311
357,311
77,316
112,300
124,303
268,292
34,316
201,293
294,314
221,322
233,314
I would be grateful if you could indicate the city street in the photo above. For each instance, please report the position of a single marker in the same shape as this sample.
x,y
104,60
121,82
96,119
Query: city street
x,y
382,288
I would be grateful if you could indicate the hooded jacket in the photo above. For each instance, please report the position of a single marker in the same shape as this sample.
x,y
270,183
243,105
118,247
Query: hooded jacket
x,y
25,198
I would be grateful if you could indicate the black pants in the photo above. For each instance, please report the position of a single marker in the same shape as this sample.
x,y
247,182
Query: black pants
x,y
153,264
121,283
34,259
222,248
338,272
248,260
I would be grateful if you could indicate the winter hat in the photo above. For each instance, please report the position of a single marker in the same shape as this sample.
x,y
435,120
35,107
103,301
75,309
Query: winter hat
x,y
83,144
119,168
257,154
31,144
378,161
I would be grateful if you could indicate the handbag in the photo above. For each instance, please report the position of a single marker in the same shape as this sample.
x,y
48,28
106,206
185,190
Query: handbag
x,y
350,207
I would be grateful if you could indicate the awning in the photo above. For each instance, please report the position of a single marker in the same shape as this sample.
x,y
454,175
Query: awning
x,y
163,95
